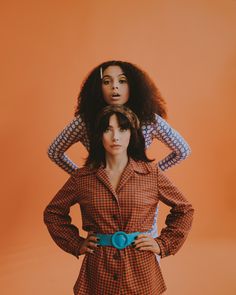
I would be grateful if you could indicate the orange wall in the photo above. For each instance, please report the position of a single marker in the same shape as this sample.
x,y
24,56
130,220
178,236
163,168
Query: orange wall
x,y
189,49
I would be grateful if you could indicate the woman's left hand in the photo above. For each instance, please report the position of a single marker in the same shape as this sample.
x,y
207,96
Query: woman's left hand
x,y
146,243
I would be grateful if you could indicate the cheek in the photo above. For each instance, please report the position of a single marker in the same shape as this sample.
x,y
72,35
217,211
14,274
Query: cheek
x,y
104,90
127,90
105,139
127,139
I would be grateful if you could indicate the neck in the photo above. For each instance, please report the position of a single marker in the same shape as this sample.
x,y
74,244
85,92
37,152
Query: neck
x,y
117,162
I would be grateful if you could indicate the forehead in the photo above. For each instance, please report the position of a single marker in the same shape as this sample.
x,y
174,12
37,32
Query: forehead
x,y
113,71
113,121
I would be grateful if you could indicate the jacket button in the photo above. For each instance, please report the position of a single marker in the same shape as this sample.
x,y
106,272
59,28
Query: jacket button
x,y
114,217
115,277
116,256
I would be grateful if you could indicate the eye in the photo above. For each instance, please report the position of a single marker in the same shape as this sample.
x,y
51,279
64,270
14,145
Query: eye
x,y
106,82
123,81
107,130
123,129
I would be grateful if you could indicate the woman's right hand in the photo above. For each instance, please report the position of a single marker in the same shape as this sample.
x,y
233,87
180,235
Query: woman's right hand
x,y
89,244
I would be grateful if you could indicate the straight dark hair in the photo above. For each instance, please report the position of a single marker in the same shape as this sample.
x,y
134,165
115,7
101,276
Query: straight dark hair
x,y
126,120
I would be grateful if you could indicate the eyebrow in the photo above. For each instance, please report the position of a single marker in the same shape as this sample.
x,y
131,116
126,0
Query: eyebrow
x,y
111,76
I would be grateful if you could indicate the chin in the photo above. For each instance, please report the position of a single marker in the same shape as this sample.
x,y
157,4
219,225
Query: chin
x,y
116,103
115,153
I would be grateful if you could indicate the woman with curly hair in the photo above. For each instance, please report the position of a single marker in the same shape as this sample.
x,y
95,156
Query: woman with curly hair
x,y
118,191
119,83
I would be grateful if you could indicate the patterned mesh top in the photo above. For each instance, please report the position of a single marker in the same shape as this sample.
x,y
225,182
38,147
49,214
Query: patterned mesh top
x,y
75,131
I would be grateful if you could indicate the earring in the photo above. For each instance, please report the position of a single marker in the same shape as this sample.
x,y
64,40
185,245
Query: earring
x,y
101,72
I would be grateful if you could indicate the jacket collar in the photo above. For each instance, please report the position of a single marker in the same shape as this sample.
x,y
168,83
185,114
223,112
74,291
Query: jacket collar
x,y
140,166
131,168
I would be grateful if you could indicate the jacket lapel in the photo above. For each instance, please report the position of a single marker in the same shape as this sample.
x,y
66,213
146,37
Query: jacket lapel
x,y
125,176
128,172
103,177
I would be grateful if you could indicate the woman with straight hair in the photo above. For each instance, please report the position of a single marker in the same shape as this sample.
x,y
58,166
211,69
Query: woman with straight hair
x,y
118,191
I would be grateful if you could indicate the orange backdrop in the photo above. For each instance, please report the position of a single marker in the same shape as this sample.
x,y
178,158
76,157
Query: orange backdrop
x,y
48,47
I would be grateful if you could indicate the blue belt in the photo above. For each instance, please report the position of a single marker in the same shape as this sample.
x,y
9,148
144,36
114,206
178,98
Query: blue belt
x,y
119,239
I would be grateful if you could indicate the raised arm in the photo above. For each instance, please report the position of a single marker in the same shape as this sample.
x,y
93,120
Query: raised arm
x,y
178,222
71,134
58,220
171,138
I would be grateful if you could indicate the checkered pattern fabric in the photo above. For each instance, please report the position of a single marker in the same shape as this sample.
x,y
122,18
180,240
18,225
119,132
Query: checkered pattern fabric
x,y
130,208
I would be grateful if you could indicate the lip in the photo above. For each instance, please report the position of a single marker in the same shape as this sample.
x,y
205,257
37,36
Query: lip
x,y
116,146
115,95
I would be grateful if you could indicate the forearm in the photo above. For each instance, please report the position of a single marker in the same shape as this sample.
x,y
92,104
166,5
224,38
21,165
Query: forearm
x,y
174,141
58,221
71,134
62,161
64,234
173,236
178,222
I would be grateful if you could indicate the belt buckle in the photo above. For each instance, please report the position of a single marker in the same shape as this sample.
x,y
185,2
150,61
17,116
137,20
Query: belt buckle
x,y
120,240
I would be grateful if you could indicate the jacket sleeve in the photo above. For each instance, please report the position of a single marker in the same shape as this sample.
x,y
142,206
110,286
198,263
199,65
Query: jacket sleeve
x,y
58,220
172,139
71,134
178,221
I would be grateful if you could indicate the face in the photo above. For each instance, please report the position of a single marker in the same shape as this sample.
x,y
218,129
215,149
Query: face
x,y
115,140
115,87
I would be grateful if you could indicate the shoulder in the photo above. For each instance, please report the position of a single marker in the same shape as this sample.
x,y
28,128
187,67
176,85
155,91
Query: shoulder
x,y
83,171
77,124
142,167
78,120
160,121
157,122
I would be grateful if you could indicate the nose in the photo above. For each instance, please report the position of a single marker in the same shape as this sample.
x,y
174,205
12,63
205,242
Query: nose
x,y
115,137
115,85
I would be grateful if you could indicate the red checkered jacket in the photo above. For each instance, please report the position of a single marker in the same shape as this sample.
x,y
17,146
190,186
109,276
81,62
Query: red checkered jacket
x,y
130,208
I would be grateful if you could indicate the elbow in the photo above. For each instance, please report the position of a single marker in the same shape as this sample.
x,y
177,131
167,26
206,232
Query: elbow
x,y
189,214
46,215
52,154
185,152
188,151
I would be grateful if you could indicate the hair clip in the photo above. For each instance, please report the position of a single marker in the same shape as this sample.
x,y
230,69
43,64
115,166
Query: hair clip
x,y
101,73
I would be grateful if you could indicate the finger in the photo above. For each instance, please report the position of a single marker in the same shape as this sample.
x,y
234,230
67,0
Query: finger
x,y
149,248
141,240
152,249
89,250
144,244
141,236
93,238
82,250
92,245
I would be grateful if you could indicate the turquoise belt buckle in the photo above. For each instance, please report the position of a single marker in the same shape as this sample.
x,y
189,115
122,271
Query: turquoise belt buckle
x,y
120,240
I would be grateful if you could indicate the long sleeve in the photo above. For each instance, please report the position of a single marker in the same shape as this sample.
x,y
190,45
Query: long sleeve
x,y
58,221
71,134
172,139
178,222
